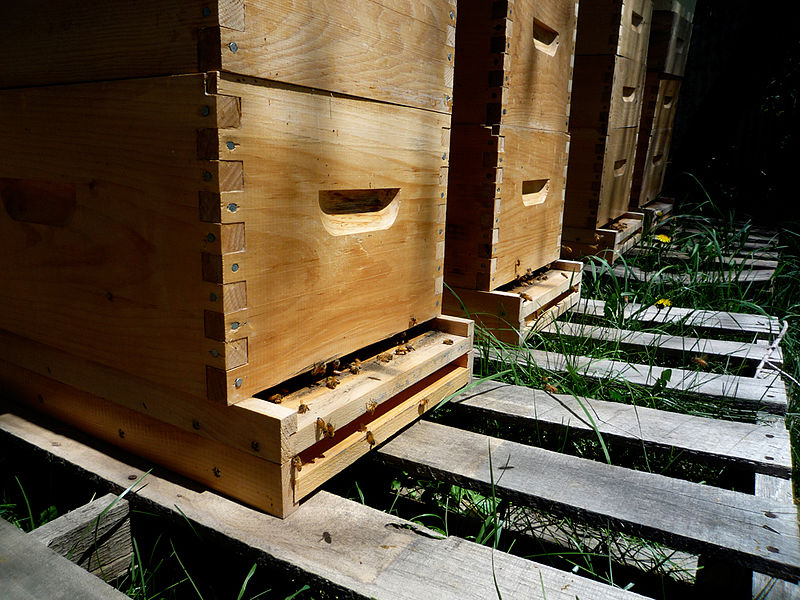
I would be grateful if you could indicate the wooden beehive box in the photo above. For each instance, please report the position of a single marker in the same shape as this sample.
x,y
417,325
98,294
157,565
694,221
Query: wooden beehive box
x,y
655,133
509,144
180,244
389,50
608,82
669,45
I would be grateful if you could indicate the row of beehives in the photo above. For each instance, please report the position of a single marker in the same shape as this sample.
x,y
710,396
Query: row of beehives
x,y
204,200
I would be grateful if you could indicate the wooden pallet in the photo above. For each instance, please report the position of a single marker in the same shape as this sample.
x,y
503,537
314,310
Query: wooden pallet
x,y
758,533
514,311
269,453
734,273
331,541
608,242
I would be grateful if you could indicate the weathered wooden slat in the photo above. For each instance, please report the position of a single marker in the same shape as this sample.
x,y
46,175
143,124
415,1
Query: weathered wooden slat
x,y
720,350
29,570
755,532
707,319
721,276
96,536
767,394
757,447
755,263
348,546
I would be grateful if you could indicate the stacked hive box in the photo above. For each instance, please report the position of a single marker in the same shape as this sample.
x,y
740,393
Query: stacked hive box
x,y
608,79
666,63
508,161
244,193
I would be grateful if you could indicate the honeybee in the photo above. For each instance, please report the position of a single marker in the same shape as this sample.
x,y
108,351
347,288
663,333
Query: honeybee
x,y
385,357
401,351
566,249
422,404
371,406
701,361
320,424
370,438
355,366
448,342
334,364
302,409
276,398
410,348
412,321
297,463
330,430
525,297
549,387
318,369
331,382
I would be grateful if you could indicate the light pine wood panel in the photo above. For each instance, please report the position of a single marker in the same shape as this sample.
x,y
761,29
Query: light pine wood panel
x,y
315,292
118,281
387,50
371,553
245,477
755,447
730,525
278,269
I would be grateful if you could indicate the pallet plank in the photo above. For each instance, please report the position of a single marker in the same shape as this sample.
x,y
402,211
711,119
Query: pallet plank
x,y
370,555
719,349
754,532
707,319
96,536
29,570
768,394
746,445
722,276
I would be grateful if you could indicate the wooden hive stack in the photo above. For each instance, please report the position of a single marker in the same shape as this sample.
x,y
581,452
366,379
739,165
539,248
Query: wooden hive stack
x,y
509,148
666,63
608,80
239,211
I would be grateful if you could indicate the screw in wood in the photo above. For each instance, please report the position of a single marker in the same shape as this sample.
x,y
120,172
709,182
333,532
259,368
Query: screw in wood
x,y
205,111
217,472
195,424
238,382
234,47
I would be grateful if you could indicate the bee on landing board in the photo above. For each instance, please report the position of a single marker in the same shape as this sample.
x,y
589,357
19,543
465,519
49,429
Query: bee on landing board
x,y
331,382
385,357
371,406
355,366
448,342
276,398
303,409
297,464
318,369
370,438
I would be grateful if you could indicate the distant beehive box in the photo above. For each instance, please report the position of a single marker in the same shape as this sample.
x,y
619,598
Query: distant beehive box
x,y
669,41
390,50
509,142
614,27
215,236
608,83
658,115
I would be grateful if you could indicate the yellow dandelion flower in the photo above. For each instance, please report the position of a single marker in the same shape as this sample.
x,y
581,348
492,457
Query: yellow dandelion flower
x,y
664,239
662,302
